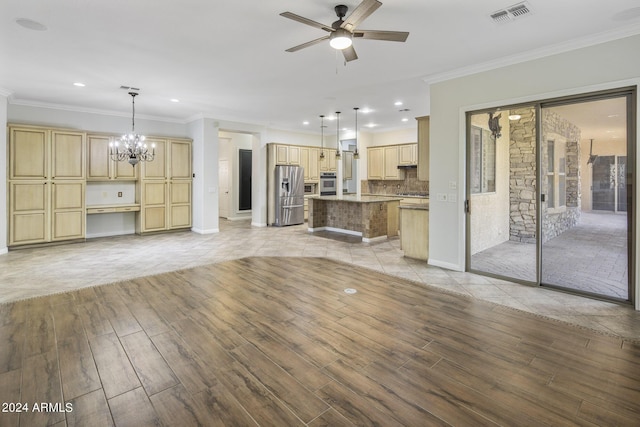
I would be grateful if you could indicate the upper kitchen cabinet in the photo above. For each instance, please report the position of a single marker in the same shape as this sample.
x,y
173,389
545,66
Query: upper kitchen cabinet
x,y
67,155
408,154
309,160
287,154
391,158
375,163
180,155
100,165
423,148
328,163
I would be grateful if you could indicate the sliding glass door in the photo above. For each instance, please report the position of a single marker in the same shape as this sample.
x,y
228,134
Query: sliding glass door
x,y
548,193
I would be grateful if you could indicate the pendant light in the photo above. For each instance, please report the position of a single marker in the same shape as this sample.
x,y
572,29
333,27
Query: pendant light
x,y
338,153
321,137
356,154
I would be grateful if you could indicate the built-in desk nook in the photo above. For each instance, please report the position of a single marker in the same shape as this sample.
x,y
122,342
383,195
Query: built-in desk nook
x,y
372,217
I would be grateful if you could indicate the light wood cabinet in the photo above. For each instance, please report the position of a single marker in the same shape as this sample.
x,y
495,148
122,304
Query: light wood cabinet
x,y
408,154
328,164
309,160
375,163
100,165
287,155
347,165
165,187
46,185
391,170
423,148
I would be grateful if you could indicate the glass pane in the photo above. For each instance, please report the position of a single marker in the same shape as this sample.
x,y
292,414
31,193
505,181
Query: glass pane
x,y
585,236
502,219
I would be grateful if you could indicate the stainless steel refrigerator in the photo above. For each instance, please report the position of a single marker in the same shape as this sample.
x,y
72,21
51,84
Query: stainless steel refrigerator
x,y
289,195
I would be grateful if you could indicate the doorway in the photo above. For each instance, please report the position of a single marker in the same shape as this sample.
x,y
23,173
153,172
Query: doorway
x,y
573,231
223,188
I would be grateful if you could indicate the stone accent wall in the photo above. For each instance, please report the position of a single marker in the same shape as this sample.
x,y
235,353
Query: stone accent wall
x,y
522,177
409,184
370,219
554,126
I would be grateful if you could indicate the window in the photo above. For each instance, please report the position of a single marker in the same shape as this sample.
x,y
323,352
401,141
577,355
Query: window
x,y
556,174
483,161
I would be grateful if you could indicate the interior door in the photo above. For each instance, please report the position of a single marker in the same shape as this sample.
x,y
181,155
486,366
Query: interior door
x,y
223,188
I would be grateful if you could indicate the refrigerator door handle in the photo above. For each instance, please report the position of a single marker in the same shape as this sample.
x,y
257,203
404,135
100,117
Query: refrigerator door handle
x,y
292,206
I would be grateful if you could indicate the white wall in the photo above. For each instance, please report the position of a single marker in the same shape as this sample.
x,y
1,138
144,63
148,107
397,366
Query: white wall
x,y
4,221
204,133
582,70
230,152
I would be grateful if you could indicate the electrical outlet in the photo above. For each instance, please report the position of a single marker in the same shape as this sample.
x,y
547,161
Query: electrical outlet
x,y
441,197
453,185
119,193
452,197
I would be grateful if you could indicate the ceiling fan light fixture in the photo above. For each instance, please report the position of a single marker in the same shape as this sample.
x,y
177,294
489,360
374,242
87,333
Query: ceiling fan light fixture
x,y
340,39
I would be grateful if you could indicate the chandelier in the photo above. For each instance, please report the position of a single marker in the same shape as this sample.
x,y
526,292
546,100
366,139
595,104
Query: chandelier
x,y
131,147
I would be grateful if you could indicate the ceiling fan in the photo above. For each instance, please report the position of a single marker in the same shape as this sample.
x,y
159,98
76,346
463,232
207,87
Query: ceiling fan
x,y
342,31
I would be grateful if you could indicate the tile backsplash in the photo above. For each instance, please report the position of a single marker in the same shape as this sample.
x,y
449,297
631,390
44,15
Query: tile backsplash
x,y
409,185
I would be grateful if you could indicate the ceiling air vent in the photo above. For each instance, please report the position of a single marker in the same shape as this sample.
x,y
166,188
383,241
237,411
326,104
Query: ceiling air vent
x,y
510,13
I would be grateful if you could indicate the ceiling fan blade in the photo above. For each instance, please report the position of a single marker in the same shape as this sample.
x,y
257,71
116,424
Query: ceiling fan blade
x,y
349,54
307,44
360,13
307,21
392,36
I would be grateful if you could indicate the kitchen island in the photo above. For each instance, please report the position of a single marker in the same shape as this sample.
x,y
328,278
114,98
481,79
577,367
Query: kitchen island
x,y
372,217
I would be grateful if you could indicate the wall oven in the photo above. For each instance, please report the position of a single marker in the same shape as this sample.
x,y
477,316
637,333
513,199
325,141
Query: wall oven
x,y
328,184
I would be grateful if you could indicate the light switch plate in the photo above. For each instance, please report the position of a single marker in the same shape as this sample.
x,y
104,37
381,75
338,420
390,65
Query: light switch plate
x,y
442,197
452,197
453,185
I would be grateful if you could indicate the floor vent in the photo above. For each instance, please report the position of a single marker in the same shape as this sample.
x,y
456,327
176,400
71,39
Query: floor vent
x,y
511,13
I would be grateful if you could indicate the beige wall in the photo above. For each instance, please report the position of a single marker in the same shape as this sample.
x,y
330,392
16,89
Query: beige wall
x,y
489,220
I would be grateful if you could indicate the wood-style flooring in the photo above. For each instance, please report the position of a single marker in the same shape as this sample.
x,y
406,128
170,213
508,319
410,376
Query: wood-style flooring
x,y
277,342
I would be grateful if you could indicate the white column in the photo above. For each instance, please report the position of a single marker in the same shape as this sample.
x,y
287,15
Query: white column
x,y
204,133
259,180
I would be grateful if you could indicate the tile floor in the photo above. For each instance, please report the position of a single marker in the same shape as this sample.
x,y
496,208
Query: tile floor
x,y
33,272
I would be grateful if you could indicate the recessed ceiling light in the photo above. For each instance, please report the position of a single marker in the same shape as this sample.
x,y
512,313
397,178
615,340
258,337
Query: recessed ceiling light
x,y
330,117
611,116
30,24
371,125
79,84
305,123
398,103
405,119
366,110
175,100
514,117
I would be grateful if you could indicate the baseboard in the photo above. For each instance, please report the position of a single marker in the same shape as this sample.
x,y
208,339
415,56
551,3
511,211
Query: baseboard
x,y
210,231
4,250
337,230
374,239
258,224
443,264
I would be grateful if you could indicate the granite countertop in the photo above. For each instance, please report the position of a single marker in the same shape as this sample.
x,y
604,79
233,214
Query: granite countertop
x,y
362,199
417,206
402,196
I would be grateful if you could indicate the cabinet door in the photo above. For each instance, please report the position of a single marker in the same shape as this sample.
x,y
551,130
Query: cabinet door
x,y
67,155
423,148
294,155
68,210
157,168
28,219
123,171
314,164
391,170
406,154
28,153
154,193
180,210
98,158
180,159
154,218
304,161
375,163
347,165
282,154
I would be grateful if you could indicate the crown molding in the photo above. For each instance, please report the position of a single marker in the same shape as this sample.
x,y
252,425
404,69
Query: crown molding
x,y
76,109
559,48
5,92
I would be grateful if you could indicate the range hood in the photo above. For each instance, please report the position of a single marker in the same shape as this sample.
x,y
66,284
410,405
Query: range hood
x,y
407,166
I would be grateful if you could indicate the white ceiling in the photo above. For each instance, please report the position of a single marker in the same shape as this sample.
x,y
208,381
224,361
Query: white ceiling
x,y
227,59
